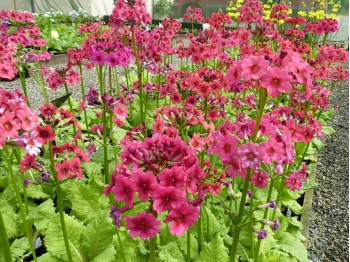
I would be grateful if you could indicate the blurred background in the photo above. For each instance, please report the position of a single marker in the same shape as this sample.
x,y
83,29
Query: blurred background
x,y
162,8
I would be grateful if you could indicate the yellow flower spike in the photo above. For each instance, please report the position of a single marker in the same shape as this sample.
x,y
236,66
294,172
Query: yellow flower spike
x,y
302,13
280,22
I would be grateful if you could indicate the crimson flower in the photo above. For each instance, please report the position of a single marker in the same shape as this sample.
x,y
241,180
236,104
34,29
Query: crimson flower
x,y
144,225
181,218
167,199
124,189
146,183
259,179
172,177
45,133
251,155
276,81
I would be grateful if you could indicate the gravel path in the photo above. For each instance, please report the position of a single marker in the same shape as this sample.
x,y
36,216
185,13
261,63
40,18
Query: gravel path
x,y
328,235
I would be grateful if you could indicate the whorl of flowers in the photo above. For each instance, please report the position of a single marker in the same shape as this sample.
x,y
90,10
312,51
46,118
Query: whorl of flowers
x,y
18,122
164,170
250,12
130,12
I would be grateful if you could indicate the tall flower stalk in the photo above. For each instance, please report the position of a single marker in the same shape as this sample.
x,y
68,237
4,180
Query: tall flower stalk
x,y
238,226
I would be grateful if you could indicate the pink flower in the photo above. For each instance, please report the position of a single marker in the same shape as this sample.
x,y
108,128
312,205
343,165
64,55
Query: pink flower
x,y
259,179
234,166
276,81
144,225
146,183
181,218
274,151
63,170
45,133
72,78
75,167
167,199
32,143
294,181
172,177
251,155
226,145
197,142
124,190
254,67
9,125
120,111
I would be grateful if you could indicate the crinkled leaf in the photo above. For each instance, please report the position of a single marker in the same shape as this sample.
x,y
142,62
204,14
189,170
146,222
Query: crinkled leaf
x,y
130,248
294,206
92,169
10,220
19,247
327,130
182,244
317,143
47,257
36,192
54,241
277,256
171,252
97,238
214,251
292,246
87,201
98,157
118,135
42,215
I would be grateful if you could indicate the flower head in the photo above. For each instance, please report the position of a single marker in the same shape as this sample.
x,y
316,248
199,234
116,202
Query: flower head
x,y
144,225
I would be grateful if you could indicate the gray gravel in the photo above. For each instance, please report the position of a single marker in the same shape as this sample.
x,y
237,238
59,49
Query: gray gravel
x,y
328,236
329,229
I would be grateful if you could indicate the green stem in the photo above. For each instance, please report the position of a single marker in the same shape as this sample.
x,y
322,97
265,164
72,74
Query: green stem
x,y
70,107
266,211
20,203
121,246
5,245
59,203
208,228
152,244
43,85
23,83
105,143
188,245
139,74
200,237
238,226
324,38
82,96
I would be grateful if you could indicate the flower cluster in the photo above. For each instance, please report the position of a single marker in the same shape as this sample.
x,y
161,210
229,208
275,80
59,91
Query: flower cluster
x,y
163,170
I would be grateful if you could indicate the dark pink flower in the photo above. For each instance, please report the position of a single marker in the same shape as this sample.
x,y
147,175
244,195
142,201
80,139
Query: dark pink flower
x,y
144,225
251,155
146,183
181,218
276,81
167,199
172,177
254,67
259,179
124,190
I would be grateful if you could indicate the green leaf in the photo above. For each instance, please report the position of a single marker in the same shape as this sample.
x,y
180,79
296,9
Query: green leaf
x,y
130,248
277,256
317,143
98,157
47,257
327,130
36,192
214,251
92,169
214,225
58,102
42,215
54,241
294,221
19,247
294,206
97,238
10,220
182,244
292,246
171,252
87,201
118,135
